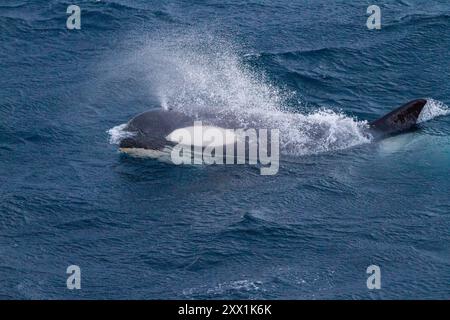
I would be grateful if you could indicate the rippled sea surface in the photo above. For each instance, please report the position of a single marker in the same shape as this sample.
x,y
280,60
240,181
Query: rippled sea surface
x,y
141,228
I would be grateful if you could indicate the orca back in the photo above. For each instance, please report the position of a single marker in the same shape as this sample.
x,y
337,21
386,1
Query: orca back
x,y
401,119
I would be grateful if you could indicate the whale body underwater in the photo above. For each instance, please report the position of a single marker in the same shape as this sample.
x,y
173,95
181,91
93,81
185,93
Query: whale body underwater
x,y
151,133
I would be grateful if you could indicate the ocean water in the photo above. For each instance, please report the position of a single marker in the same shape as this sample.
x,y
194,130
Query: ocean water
x,y
144,229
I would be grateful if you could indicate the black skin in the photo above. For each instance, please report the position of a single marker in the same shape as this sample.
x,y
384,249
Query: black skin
x,y
400,120
151,128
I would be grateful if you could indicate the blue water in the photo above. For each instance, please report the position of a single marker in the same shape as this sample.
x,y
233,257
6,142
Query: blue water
x,y
142,228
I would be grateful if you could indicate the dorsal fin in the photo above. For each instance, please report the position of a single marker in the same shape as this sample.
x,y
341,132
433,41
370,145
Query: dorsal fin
x,y
401,119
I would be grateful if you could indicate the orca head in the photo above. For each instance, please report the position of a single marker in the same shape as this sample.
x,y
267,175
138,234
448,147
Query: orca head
x,y
149,129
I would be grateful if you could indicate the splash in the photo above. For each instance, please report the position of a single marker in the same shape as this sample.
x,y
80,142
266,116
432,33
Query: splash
x,y
206,77
432,109
118,133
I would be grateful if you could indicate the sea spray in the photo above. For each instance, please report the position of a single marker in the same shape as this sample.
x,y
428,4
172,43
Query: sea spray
x,y
207,78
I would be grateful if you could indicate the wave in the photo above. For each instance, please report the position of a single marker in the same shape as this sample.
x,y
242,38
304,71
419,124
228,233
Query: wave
x,y
418,18
117,134
237,288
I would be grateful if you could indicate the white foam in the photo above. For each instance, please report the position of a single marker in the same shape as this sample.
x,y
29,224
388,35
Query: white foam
x,y
118,133
432,109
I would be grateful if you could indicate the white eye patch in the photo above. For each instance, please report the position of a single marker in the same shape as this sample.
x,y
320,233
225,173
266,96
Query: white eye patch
x,y
203,136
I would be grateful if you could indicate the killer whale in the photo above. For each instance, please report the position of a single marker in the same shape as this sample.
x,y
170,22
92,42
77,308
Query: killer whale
x,y
150,130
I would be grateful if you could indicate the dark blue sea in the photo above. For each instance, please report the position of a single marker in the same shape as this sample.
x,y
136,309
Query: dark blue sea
x,y
141,228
